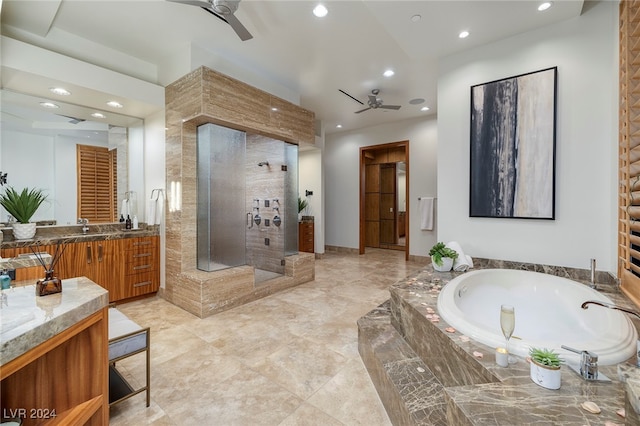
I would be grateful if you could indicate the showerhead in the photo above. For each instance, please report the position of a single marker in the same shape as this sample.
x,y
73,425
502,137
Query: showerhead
x,y
263,163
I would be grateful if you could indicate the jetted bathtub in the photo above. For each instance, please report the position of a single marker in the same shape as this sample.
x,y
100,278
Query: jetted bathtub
x,y
547,310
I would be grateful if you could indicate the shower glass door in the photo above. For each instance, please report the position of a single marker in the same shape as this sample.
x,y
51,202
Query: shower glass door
x,y
221,222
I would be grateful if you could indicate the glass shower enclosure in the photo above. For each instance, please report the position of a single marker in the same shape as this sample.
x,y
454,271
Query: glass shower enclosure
x,y
246,201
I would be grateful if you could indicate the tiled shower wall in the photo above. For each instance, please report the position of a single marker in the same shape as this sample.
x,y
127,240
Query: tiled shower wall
x,y
265,183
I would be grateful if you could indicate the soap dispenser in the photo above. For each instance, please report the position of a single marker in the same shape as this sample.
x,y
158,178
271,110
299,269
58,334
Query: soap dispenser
x,y
127,223
135,222
5,280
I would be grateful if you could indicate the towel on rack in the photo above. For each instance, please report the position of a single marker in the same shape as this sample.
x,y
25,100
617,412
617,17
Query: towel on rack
x,y
425,207
463,262
159,207
151,211
125,208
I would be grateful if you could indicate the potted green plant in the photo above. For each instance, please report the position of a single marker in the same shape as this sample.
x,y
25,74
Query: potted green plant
x,y
303,204
22,206
545,367
442,257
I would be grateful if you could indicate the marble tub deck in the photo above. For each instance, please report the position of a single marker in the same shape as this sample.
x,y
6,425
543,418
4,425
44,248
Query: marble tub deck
x,y
454,387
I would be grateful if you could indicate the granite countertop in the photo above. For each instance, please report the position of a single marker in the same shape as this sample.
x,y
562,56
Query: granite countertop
x,y
514,396
27,320
73,234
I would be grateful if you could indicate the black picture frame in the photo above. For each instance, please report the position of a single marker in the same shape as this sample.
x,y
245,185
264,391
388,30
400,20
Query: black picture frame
x,y
513,144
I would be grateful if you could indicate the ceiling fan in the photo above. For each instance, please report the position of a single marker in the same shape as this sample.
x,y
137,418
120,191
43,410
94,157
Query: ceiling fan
x,y
224,10
375,102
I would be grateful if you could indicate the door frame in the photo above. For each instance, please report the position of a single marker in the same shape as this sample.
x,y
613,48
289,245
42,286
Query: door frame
x,y
364,150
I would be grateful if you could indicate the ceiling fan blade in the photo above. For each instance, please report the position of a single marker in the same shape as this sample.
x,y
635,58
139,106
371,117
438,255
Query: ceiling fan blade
x,y
362,110
345,93
72,120
199,3
389,106
229,18
237,26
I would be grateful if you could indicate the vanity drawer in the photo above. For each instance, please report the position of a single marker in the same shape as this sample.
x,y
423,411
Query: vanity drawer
x,y
142,283
141,243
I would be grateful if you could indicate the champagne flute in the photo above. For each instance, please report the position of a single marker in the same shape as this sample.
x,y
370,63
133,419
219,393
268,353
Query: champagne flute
x,y
507,324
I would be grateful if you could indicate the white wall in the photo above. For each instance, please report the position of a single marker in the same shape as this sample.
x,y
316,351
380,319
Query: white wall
x,y
585,51
342,179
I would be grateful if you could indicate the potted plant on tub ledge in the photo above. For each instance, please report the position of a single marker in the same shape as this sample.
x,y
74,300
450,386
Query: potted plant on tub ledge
x,y
22,206
545,368
442,257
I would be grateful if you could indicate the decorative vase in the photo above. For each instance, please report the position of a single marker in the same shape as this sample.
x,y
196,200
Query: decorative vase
x,y
545,375
447,264
24,231
50,284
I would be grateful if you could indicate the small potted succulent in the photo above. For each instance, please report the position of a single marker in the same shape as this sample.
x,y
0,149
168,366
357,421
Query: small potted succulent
x,y
442,257
545,368
22,206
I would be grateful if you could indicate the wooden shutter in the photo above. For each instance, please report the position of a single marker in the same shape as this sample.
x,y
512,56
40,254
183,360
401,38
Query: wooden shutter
x,y
97,183
629,151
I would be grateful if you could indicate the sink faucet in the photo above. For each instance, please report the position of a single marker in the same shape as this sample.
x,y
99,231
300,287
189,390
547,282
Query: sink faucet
x,y
586,304
85,225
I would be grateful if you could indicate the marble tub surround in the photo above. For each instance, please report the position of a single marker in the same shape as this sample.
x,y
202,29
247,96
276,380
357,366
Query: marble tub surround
x,y
72,234
27,320
461,387
577,274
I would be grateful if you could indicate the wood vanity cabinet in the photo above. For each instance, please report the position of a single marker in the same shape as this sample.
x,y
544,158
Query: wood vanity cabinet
x,y
141,267
63,381
128,267
305,237
97,260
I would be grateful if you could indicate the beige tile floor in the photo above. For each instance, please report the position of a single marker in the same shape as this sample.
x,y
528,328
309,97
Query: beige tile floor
x,y
287,359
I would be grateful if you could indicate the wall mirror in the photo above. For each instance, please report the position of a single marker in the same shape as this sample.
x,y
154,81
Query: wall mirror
x,y
38,149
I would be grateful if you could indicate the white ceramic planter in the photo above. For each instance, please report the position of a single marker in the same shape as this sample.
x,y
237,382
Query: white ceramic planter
x,y
24,231
447,264
545,376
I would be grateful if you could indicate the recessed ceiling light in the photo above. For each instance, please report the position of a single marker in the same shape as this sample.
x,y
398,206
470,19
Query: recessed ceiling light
x,y
60,91
416,101
274,109
544,6
388,73
98,115
463,34
338,126
320,11
114,104
49,105
416,18
424,109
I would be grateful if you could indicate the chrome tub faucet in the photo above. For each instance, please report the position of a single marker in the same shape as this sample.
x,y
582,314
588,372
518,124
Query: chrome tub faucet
x,y
586,304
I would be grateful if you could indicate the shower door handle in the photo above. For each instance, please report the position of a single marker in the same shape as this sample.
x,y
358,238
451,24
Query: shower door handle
x,y
249,220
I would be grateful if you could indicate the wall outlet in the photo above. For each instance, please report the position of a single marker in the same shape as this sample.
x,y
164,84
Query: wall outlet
x,y
266,241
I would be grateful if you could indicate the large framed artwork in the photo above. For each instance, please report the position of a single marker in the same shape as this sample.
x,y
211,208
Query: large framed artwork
x,y
513,138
